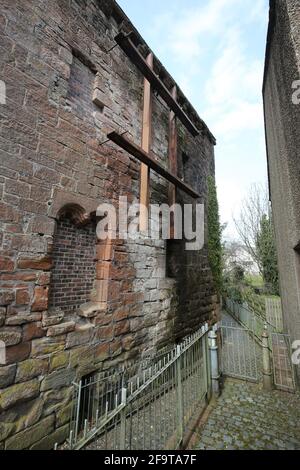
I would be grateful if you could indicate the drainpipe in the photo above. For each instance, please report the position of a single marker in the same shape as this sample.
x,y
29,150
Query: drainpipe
x,y
214,361
267,369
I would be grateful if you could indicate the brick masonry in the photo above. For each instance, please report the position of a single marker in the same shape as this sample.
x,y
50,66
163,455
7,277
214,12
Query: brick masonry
x,y
74,266
63,92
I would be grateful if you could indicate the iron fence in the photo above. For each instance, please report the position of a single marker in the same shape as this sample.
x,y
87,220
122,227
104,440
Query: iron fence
x,y
241,354
247,318
148,406
274,313
283,368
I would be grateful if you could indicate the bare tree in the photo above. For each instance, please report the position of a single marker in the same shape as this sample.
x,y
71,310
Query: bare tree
x,y
234,254
254,207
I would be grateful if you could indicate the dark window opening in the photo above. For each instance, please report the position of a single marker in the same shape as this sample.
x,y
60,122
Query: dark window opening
x,y
185,161
172,258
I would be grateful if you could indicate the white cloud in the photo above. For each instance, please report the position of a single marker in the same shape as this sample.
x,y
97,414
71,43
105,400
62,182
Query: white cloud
x,y
232,92
243,116
185,35
212,51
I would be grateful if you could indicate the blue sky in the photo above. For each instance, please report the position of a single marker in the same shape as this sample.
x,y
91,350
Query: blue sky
x,y
215,50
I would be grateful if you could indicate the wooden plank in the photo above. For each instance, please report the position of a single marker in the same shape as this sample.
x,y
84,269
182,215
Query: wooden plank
x,y
172,160
146,143
132,52
144,157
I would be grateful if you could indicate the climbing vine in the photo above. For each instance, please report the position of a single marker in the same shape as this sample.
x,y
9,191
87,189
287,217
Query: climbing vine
x,y
215,248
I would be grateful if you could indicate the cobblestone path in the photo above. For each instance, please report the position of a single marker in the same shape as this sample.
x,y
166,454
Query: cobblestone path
x,y
246,417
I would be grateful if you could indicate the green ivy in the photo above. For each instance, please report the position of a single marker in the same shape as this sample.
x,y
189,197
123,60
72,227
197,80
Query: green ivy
x,y
266,248
215,249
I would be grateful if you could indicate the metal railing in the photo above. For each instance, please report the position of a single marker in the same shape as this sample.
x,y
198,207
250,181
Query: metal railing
x,y
240,354
247,318
283,368
274,313
148,406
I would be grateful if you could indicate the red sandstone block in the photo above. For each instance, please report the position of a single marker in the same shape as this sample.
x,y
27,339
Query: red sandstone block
x,y
40,194
116,347
6,264
6,297
122,328
27,243
114,291
14,228
21,318
47,174
41,224
44,264
60,329
121,313
8,213
122,272
102,319
99,82
120,257
17,353
40,302
44,279
105,333
102,352
18,188
20,133
68,128
101,99
22,297
33,331
54,61
26,277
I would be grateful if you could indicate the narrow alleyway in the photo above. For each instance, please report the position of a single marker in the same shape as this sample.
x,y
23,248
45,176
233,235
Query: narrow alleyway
x,y
246,417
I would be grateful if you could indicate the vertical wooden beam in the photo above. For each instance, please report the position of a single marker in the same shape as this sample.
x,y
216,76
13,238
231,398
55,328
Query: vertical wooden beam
x,y
146,143
172,158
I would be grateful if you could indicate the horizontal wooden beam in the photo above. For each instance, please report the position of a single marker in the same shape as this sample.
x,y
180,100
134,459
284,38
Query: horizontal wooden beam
x,y
132,52
145,158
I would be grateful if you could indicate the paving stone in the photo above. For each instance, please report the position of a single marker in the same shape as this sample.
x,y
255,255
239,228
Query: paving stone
x,y
246,417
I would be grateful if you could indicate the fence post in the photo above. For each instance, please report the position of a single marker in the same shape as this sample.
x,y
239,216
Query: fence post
x,y
205,362
267,370
214,361
123,420
78,411
180,394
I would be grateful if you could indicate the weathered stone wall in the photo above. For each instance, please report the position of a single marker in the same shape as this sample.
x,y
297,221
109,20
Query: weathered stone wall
x,y
283,144
63,91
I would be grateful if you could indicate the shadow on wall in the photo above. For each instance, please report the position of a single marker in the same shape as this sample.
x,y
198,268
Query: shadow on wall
x,y
195,299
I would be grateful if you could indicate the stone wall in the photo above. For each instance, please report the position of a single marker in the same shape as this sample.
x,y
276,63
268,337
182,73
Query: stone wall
x,y
283,143
63,91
